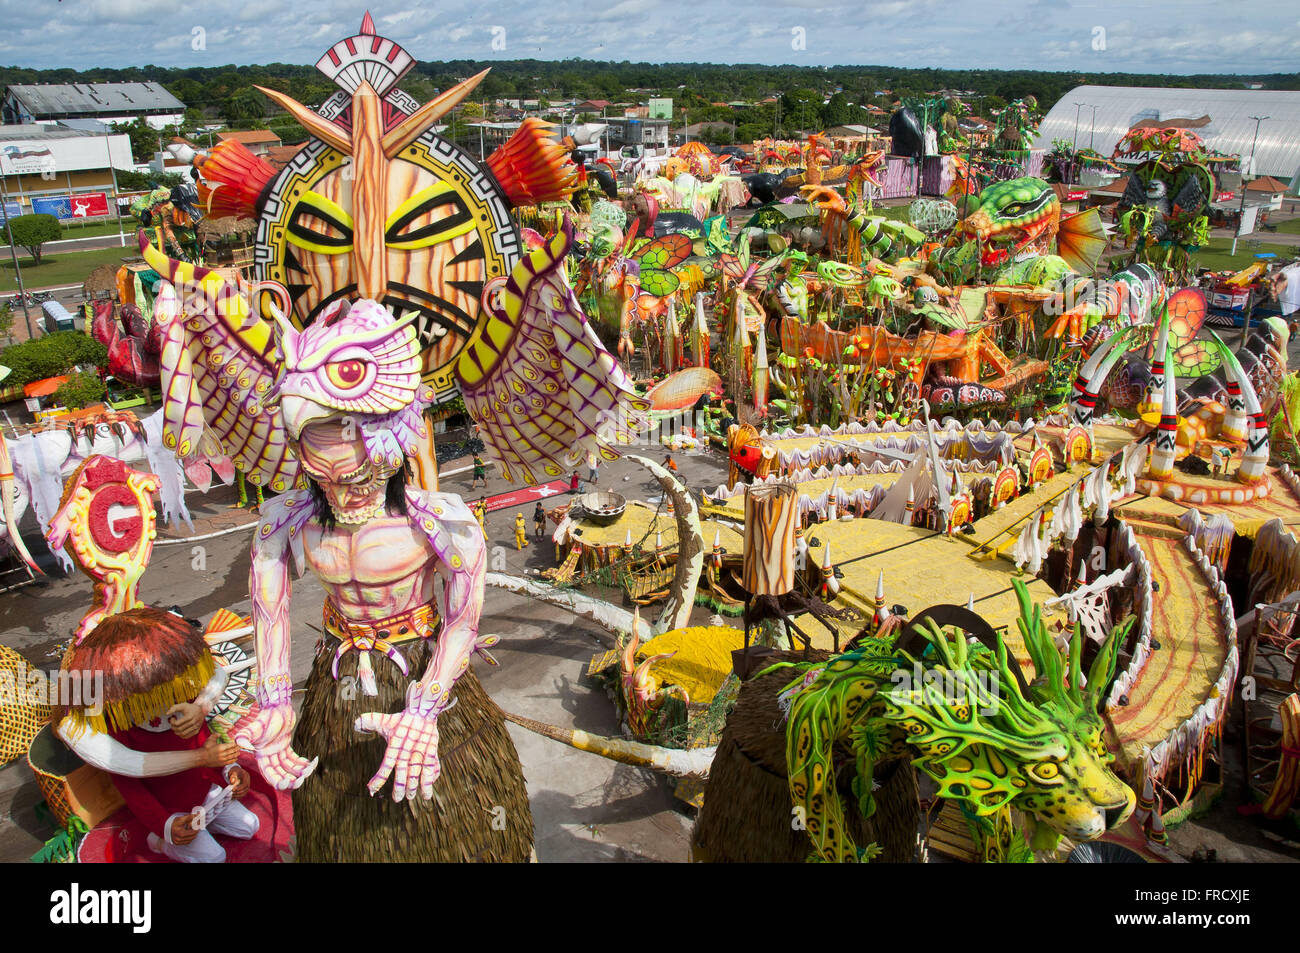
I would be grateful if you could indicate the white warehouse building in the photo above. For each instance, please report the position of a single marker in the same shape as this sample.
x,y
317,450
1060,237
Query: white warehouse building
x,y
1099,116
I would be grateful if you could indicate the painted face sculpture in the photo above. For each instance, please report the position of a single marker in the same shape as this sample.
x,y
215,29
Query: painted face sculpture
x,y
378,208
353,486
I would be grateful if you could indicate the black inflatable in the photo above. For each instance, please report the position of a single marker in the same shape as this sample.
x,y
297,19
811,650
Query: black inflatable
x,y
672,223
765,187
605,179
906,131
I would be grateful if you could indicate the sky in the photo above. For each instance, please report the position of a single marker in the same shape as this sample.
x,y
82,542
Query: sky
x,y
1147,36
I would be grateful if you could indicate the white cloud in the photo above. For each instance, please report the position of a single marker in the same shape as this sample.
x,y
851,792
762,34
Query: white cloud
x,y
1171,36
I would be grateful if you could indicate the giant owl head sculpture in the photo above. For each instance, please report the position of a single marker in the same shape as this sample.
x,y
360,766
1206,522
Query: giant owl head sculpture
x,y
359,363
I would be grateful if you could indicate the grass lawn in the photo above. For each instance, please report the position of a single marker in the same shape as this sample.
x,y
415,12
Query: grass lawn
x,y
1216,257
1290,226
96,229
60,268
895,213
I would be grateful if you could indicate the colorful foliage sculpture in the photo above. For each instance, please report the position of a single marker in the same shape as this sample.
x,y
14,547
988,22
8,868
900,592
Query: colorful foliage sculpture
x,y
973,728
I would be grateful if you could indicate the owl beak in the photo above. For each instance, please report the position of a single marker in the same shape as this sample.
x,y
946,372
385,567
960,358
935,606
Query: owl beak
x,y
297,412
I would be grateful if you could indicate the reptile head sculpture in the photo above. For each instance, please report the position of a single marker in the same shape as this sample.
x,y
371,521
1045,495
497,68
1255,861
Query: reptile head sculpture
x,y
1009,218
961,715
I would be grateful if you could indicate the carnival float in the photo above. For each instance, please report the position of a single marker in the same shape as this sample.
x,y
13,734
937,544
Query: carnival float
x,y
973,583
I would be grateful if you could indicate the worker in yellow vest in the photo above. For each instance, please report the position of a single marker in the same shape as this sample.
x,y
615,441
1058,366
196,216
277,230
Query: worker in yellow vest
x,y
521,531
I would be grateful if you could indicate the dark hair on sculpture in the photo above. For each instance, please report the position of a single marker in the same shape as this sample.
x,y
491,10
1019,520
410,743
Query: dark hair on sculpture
x,y
149,659
394,497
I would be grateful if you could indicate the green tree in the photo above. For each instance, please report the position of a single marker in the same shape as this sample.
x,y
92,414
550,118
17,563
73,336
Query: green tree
x,y
33,231
837,112
51,355
144,138
245,104
7,316
80,390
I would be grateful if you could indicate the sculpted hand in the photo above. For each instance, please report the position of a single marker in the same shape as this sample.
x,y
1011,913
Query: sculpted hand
x,y
412,755
268,734
186,719
217,754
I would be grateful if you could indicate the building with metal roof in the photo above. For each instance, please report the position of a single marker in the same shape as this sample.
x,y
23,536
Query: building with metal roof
x,y
1221,117
109,102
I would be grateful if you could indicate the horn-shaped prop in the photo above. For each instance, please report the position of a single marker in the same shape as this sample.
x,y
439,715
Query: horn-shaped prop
x,y
675,762
323,129
7,508
414,125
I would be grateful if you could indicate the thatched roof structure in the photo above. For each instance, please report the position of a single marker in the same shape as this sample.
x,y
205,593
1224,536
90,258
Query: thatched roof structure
x,y
102,279
228,228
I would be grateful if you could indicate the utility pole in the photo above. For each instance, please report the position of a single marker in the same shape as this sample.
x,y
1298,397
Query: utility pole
x,y
13,253
108,149
1241,208
1092,129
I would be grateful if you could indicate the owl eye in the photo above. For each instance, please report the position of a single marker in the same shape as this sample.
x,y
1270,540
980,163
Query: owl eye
x,y
349,375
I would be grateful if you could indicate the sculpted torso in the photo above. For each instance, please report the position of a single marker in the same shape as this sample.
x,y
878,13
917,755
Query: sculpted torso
x,y
375,570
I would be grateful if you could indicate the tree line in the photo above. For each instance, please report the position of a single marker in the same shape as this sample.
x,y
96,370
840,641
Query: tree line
x,y
809,97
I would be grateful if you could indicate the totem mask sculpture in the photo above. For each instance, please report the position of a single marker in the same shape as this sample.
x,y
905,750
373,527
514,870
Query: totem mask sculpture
x,y
393,277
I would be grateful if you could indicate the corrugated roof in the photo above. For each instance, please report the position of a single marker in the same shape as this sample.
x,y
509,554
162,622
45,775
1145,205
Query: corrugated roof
x,y
60,99
249,135
35,131
1230,130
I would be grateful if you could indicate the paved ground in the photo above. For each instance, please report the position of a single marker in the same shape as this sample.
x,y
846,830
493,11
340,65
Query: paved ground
x,y
585,808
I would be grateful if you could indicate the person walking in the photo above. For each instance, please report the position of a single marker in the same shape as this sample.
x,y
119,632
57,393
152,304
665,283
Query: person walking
x,y
521,531
480,511
539,521
480,472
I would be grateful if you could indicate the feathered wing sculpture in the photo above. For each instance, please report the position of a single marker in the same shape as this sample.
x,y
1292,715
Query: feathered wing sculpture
x,y
219,363
544,391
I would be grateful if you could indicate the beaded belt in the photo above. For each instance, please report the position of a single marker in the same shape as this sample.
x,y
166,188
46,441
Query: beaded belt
x,y
384,636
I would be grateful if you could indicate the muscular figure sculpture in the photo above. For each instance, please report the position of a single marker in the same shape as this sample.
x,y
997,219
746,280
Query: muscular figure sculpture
x,y
379,702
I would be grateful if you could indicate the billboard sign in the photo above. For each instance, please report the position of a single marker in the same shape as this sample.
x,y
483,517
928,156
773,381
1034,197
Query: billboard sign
x,y
659,109
26,158
67,207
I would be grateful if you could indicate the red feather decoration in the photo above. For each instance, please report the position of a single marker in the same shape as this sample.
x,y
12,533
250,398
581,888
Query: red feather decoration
x,y
532,167
232,180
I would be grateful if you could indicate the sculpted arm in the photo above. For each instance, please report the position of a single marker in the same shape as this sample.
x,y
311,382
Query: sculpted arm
x,y
108,754
270,731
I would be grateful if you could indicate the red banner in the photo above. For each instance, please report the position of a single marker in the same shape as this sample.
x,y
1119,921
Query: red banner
x,y
525,496
89,205
1224,197
1076,196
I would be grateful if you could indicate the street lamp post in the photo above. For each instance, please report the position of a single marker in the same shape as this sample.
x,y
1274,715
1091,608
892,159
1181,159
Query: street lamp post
x,y
1092,129
1241,208
1075,160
